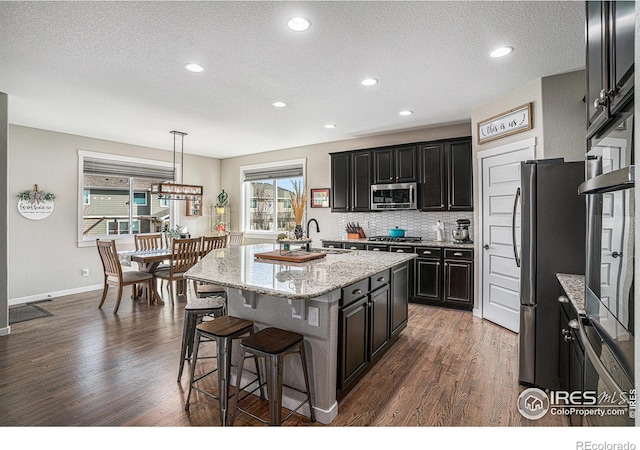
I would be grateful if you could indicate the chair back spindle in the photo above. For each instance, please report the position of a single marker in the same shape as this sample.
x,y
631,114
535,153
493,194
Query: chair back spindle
x,y
148,241
212,242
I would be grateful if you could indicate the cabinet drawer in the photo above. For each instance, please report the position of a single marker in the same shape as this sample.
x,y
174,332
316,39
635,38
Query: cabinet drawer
x,y
458,253
332,245
354,292
354,246
380,279
377,247
400,249
428,252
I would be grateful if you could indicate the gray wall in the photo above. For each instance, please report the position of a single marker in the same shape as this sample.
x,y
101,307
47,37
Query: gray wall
x,y
319,170
45,256
4,291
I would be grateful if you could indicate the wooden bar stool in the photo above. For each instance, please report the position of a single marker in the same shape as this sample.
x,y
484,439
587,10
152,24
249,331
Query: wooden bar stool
x,y
223,330
273,344
194,312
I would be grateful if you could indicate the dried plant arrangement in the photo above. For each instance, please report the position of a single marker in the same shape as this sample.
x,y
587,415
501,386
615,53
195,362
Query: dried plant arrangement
x,y
298,200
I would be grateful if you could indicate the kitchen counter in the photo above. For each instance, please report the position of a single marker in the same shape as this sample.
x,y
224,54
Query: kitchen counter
x,y
574,287
299,297
449,244
237,267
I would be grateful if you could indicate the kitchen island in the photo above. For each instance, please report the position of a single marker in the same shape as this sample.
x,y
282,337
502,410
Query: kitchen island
x,y
308,298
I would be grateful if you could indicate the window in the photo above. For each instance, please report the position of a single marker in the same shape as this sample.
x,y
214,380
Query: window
x,y
267,196
140,198
115,196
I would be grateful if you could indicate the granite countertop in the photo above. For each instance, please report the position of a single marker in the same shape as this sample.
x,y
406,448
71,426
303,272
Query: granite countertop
x,y
450,244
574,287
237,267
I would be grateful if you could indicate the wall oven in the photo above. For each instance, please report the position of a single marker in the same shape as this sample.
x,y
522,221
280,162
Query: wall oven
x,y
393,196
608,330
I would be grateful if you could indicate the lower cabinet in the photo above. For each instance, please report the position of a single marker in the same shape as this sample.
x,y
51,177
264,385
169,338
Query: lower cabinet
x,y
571,354
372,312
444,277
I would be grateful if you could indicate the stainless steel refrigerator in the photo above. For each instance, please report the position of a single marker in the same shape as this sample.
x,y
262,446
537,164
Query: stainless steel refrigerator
x,y
552,241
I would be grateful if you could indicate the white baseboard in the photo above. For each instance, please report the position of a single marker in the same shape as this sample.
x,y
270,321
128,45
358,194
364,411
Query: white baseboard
x,y
51,295
5,331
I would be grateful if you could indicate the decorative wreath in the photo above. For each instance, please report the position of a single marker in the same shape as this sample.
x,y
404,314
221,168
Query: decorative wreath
x,y
36,196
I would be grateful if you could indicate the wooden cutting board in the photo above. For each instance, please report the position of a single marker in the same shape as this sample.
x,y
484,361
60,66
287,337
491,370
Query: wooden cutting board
x,y
288,256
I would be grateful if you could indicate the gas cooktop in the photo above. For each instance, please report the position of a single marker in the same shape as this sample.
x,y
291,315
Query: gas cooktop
x,y
395,239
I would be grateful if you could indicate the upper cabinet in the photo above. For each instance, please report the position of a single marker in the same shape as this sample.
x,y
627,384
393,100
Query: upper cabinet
x,y
395,165
351,181
610,37
442,169
446,176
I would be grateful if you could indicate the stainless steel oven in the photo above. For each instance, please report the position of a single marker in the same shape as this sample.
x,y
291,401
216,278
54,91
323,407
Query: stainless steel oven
x,y
608,331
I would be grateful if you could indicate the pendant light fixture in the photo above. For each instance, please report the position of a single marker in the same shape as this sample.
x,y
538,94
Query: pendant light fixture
x,y
171,190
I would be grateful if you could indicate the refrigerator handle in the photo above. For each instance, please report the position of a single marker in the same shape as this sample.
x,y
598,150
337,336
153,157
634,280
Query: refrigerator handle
x,y
513,228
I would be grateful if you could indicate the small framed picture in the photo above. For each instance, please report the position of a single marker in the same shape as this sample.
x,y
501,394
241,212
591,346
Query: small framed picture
x,y
320,198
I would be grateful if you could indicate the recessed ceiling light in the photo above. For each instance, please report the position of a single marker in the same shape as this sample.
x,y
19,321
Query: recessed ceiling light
x,y
330,125
406,112
500,52
369,82
299,24
194,67
279,104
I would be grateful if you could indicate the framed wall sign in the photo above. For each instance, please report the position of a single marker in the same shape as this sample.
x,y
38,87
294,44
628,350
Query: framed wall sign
x,y
35,204
320,198
511,122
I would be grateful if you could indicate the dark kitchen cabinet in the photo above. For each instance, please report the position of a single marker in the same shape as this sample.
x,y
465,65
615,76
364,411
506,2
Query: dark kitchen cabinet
x,y
372,312
571,362
458,283
444,277
400,281
395,165
351,181
428,274
610,55
446,182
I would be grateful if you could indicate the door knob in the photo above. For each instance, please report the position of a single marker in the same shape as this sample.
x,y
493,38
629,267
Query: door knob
x,y
486,246
616,254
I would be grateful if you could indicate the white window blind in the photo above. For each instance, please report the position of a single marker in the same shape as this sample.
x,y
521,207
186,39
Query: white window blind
x,y
96,166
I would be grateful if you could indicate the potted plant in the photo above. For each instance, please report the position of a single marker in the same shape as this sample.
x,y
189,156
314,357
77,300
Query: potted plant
x,y
223,202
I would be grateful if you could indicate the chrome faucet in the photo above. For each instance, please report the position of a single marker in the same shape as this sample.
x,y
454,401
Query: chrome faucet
x,y
317,231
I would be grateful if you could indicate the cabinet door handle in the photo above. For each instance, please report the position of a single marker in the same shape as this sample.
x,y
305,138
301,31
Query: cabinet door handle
x,y
573,323
486,246
563,299
399,251
376,249
357,292
616,254
353,248
426,252
380,280
457,254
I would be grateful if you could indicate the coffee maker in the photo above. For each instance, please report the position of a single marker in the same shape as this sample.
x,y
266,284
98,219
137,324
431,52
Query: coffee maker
x,y
461,233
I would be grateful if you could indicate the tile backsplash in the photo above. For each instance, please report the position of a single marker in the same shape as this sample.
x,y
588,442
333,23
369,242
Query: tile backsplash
x,y
417,223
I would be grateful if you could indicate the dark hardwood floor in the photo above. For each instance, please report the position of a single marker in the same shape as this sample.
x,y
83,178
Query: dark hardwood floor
x,y
87,367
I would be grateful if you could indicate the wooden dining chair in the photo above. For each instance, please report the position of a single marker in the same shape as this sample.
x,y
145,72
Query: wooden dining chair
x,y
185,254
235,238
115,276
148,241
209,243
151,242
212,242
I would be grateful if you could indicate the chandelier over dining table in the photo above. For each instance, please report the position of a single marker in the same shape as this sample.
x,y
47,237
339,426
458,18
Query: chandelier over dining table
x,y
171,190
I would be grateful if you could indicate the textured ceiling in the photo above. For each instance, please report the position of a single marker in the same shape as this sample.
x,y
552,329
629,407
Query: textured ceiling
x,y
115,70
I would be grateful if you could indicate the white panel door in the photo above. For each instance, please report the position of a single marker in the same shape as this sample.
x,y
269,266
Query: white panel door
x,y
500,275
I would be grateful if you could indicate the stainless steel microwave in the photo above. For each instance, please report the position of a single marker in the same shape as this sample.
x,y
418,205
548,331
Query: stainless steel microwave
x,y
393,196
